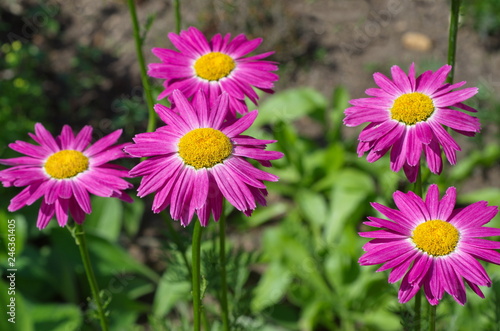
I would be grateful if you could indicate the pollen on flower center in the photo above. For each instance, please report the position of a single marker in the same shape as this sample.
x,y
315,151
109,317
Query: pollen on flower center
x,y
436,237
66,164
204,148
411,108
214,66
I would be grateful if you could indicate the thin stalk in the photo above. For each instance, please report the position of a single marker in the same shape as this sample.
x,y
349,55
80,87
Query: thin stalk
x,y
178,18
418,314
432,317
142,66
222,259
79,236
417,188
196,276
418,297
452,38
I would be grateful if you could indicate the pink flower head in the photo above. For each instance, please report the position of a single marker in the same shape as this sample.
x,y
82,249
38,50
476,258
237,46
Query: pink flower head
x,y
406,115
64,170
431,244
215,67
198,158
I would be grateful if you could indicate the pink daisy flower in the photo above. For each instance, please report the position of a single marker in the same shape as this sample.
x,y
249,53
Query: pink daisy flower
x,y
215,67
431,244
64,170
406,115
198,158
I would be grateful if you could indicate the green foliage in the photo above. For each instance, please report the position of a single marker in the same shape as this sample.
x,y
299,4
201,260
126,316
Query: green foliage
x,y
485,16
292,265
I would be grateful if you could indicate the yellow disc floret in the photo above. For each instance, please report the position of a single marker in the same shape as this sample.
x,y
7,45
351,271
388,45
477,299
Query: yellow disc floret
x,y
411,108
204,148
66,164
214,66
436,237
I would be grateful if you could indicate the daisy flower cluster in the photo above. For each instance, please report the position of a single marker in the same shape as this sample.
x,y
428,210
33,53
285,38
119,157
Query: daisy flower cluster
x,y
195,161
200,156
428,243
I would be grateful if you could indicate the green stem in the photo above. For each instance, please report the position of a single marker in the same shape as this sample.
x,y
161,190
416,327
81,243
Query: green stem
x,y
418,297
142,66
452,38
79,236
432,317
417,188
177,10
196,275
417,316
222,259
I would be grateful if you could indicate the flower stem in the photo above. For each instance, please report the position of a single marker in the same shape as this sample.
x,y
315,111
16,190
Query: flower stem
x,y
195,265
222,259
79,236
417,316
432,317
140,57
417,189
178,21
452,38
418,297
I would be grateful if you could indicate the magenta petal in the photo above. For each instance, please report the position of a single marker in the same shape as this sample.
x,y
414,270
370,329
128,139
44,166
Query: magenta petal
x,y
44,215
241,124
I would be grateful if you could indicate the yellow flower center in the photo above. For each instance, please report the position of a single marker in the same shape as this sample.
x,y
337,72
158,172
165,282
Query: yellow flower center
x,y
66,164
436,237
214,66
411,108
204,148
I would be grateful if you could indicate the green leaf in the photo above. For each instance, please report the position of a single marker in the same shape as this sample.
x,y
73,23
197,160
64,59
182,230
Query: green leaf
x,y
340,101
106,217
348,201
289,105
169,292
262,215
13,226
112,259
132,216
56,317
313,206
272,287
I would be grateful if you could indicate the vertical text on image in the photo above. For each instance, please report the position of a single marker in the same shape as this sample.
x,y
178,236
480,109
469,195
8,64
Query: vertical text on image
x,y
11,271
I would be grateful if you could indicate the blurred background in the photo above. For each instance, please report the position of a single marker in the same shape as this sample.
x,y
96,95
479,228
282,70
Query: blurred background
x,y
293,264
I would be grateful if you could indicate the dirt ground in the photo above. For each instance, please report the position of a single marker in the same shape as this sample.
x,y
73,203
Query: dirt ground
x,y
319,43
